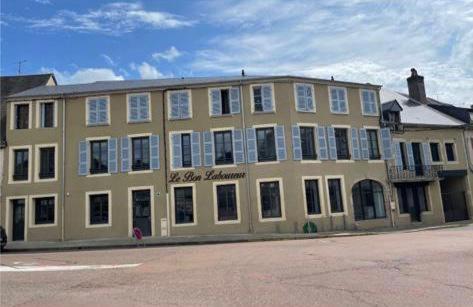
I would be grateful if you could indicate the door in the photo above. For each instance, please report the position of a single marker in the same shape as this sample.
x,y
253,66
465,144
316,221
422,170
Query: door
x,y
454,200
142,211
417,159
18,218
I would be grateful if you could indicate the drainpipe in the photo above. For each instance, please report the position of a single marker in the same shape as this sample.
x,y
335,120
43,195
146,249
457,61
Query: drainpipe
x,y
63,179
468,161
165,167
465,146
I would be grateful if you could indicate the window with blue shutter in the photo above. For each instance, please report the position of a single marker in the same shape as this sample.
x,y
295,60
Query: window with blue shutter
x,y
365,153
238,146
387,143
263,98
176,159
304,98
355,144
251,145
398,155
102,111
427,154
92,109
133,109
179,105
195,141
215,102
235,100
98,111
332,143
138,107
323,150
410,156
296,143
369,102
125,154
154,151
83,158
184,105
338,100
208,148
112,155
174,105
280,143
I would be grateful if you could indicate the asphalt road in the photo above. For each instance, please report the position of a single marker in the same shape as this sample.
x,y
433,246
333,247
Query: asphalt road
x,y
427,268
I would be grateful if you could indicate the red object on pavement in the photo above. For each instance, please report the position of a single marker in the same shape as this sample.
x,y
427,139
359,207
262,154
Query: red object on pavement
x,y
137,233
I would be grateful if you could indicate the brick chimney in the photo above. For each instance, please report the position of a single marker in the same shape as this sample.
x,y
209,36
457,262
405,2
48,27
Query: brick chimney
x,y
416,86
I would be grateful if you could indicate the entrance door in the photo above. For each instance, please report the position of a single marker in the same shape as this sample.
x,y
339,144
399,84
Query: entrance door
x,y
412,200
454,200
18,218
142,211
417,159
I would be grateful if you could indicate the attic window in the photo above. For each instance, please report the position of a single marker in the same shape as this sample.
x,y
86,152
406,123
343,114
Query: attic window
x,y
393,117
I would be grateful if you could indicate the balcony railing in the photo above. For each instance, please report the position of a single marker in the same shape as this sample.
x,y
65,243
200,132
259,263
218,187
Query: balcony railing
x,y
414,173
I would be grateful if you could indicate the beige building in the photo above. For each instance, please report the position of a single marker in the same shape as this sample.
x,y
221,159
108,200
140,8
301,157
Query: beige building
x,y
198,156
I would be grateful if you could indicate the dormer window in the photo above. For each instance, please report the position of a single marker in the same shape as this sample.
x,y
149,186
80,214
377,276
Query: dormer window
x,y
393,117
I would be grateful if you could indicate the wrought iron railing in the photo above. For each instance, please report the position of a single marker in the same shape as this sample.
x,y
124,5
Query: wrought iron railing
x,y
414,173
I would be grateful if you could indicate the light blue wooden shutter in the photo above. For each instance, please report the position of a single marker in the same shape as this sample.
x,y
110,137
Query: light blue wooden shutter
x,y
355,144
83,158
296,143
176,151
251,145
195,140
103,110
133,105
309,99
208,148
366,102
235,100
125,154
301,104
184,105
144,107
267,93
280,143
238,147
343,101
427,154
335,107
387,143
92,116
154,151
323,151
410,156
112,155
216,102
398,154
332,143
365,154
174,107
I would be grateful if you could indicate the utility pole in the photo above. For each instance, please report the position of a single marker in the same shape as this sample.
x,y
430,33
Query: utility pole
x,y
19,65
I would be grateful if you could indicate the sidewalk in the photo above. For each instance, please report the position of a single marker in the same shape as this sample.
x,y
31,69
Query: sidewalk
x,y
204,239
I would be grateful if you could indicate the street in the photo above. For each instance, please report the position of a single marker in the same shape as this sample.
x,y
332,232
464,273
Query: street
x,y
424,268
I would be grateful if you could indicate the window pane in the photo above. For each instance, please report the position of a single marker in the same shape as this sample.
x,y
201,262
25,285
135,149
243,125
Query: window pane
x,y
47,164
44,210
449,148
183,202
140,153
22,116
266,144
223,144
341,138
335,194
312,197
308,143
226,202
98,209
373,146
258,99
47,114
99,157
186,150
225,101
21,164
270,200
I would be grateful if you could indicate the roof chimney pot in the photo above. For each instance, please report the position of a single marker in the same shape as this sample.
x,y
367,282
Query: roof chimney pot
x,y
415,84
242,72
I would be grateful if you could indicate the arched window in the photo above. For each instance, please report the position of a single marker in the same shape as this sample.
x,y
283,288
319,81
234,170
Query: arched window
x,y
368,200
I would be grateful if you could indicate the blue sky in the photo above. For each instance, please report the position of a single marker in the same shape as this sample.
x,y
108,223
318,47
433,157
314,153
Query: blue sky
x,y
360,40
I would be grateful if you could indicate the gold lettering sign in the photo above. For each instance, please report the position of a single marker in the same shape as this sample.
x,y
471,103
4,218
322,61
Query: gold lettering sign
x,y
191,176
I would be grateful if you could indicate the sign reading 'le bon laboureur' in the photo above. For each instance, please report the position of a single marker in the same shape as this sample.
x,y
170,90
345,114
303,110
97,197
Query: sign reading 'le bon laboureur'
x,y
191,176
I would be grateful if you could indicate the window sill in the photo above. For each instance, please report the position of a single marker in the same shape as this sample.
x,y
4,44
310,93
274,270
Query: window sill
x,y
376,161
225,166
263,112
98,125
42,225
310,161
314,216
39,180
98,175
309,112
223,115
139,121
340,113
370,115
98,225
232,222
452,162
145,171
177,119
272,219
267,162
184,224
338,214
344,161
184,169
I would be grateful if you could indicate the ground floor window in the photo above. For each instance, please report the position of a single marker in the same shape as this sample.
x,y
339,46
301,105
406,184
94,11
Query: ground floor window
x,y
44,210
270,199
183,205
368,200
312,196
412,199
335,195
226,202
99,209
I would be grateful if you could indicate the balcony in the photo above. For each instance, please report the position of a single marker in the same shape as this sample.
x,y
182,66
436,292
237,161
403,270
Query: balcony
x,y
414,173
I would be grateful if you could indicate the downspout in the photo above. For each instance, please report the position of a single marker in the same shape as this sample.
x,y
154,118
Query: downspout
x,y
465,146
469,192
165,167
63,179
248,186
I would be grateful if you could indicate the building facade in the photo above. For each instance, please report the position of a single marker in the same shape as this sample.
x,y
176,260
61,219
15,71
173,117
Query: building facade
x,y
197,156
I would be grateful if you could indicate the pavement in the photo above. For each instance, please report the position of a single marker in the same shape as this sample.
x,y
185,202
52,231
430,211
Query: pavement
x,y
408,268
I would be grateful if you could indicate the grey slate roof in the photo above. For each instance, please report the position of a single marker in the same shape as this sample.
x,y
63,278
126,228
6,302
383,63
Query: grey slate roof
x,y
15,84
128,85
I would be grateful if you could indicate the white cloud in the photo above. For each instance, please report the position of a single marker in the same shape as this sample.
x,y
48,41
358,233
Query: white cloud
x,y
114,18
146,71
108,59
362,41
83,75
169,55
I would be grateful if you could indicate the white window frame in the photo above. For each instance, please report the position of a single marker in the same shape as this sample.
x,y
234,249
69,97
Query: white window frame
x,y
130,137
128,96
455,152
272,125
215,184
97,138
37,162
380,143
313,97
210,100
171,152
13,114
11,164
253,101
213,147
344,195
191,115
109,115
173,204
281,197
38,113
441,151
316,142
350,148
32,210
87,209
363,112
321,196
130,208
9,217
330,99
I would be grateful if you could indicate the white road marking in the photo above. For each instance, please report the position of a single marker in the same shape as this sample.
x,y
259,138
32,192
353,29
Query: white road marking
x,y
53,268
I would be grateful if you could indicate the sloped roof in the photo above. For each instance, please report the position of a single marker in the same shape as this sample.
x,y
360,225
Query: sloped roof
x,y
15,84
462,114
127,85
392,105
416,113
